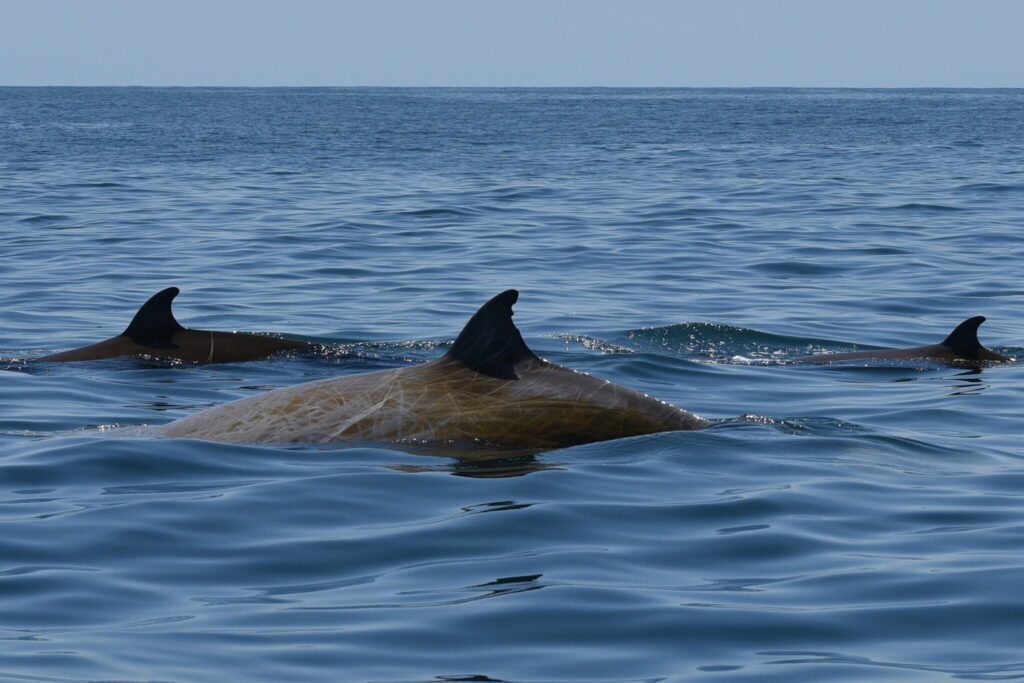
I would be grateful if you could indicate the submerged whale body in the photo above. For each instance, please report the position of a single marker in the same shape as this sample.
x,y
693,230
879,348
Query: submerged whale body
x,y
489,387
154,332
961,345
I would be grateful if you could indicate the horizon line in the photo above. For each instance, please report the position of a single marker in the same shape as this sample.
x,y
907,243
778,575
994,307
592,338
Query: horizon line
x,y
542,87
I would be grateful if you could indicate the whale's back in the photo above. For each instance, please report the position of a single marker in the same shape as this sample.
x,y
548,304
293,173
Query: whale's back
x,y
548,406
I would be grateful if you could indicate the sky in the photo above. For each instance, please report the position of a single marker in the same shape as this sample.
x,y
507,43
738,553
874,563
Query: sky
x,y
518,43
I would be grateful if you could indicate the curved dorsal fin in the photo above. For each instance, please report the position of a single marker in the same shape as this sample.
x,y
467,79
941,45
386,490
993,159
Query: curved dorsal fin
x,y
154,324
490,343
963,341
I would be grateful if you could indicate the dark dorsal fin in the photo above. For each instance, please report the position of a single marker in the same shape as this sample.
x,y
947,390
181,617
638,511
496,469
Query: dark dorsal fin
x,y
154,324
490,343
963,341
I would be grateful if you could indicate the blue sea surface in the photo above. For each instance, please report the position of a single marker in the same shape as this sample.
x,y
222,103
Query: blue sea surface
x,y
861,521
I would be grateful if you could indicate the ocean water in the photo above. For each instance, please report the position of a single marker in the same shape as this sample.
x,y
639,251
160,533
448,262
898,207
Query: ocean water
x,y
853,522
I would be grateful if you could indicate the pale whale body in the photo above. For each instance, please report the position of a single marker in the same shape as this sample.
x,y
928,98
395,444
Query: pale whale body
x,y
961,345
154,332
488,388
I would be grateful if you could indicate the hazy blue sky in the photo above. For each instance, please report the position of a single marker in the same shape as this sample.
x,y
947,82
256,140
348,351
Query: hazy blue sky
x,y
858,43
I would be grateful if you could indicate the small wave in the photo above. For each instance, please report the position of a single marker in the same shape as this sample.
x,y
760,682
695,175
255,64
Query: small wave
x,y
91,125
96,184
995,188
722,343
594,344
441,212
517,193
44,218
797,268
919,206
989,672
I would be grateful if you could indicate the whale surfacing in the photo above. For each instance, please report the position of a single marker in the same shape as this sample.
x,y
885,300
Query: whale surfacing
x,y
489,387
154,332
960,345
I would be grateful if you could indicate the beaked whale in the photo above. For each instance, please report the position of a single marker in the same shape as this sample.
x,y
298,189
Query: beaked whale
x,y
489,387
154,332
961,345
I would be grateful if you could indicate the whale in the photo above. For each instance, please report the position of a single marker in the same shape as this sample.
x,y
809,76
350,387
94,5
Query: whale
x,y
960,345
154,332
488,389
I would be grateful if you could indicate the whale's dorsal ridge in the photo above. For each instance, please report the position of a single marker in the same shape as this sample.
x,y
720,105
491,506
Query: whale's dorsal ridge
x,y
963,340
154,324
490,343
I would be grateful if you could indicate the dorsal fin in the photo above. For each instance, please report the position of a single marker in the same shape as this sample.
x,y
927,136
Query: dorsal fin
x,y
154,324
963,341
490,343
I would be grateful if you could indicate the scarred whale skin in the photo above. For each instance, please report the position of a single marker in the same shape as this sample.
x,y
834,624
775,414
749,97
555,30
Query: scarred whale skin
x,y
154,332
531,403
961,345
